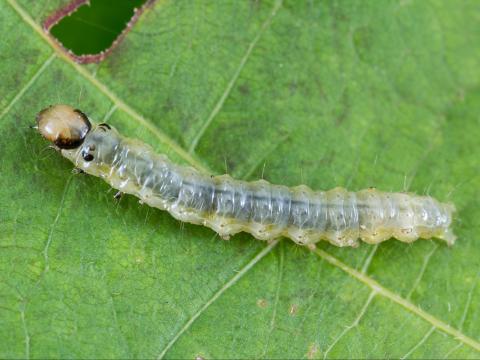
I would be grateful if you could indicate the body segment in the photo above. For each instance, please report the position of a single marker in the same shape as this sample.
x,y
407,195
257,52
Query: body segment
x,y
264,210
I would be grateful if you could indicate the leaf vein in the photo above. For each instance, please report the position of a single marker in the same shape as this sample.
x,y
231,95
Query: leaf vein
x,y
54,225
452,350
28,85
216,295
374,285
277,297
25,332
469,301
355,323
234,78
422,271
366,265
437,323
422,340
164,138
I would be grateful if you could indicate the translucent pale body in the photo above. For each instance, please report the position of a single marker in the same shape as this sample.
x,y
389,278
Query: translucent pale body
x,y
262,209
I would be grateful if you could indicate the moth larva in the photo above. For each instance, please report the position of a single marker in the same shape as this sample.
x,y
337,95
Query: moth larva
x,y
229,206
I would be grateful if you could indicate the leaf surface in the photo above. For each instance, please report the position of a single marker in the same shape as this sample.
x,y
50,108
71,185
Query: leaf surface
x,y
341,93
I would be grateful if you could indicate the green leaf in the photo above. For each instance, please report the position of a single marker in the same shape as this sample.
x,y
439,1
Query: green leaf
x,y
326,93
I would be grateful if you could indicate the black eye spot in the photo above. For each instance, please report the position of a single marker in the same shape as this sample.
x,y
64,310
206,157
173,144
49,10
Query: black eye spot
x,y
87,157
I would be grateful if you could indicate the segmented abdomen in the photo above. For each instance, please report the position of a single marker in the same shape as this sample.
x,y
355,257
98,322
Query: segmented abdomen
x,y
266,211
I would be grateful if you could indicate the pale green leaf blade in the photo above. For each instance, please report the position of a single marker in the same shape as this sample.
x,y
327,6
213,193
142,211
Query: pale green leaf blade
x,y
347,93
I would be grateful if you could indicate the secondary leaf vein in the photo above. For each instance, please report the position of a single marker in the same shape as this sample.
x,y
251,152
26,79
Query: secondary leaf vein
x,y
422,270
28,85
108,93
265,251
438,324
353,324
446,328
277,298
234,78
422,340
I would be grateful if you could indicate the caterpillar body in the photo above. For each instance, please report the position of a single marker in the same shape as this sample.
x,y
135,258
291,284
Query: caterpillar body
x,y
229,206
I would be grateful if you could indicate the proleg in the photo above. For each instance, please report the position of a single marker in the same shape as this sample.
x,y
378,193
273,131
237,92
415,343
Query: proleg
x,y
229,206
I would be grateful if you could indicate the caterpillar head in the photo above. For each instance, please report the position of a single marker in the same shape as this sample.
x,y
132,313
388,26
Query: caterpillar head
x,y
63,125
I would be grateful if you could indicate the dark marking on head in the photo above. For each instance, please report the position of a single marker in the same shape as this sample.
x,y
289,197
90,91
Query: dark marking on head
x,y
82,114
64,126
105,125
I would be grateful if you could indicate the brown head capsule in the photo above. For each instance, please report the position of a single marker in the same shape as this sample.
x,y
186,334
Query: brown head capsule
x,y
63,125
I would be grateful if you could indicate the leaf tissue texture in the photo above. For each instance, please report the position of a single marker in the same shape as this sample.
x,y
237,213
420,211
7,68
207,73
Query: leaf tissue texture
x,y
326,93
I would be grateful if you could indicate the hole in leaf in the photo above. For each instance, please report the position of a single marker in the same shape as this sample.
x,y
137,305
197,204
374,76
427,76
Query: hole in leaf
x,y
89,29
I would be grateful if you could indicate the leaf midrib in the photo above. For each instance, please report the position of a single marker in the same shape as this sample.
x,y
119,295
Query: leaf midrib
x,y
164,138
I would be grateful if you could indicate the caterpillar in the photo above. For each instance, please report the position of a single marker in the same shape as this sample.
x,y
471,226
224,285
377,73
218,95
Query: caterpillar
x,y
229,206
